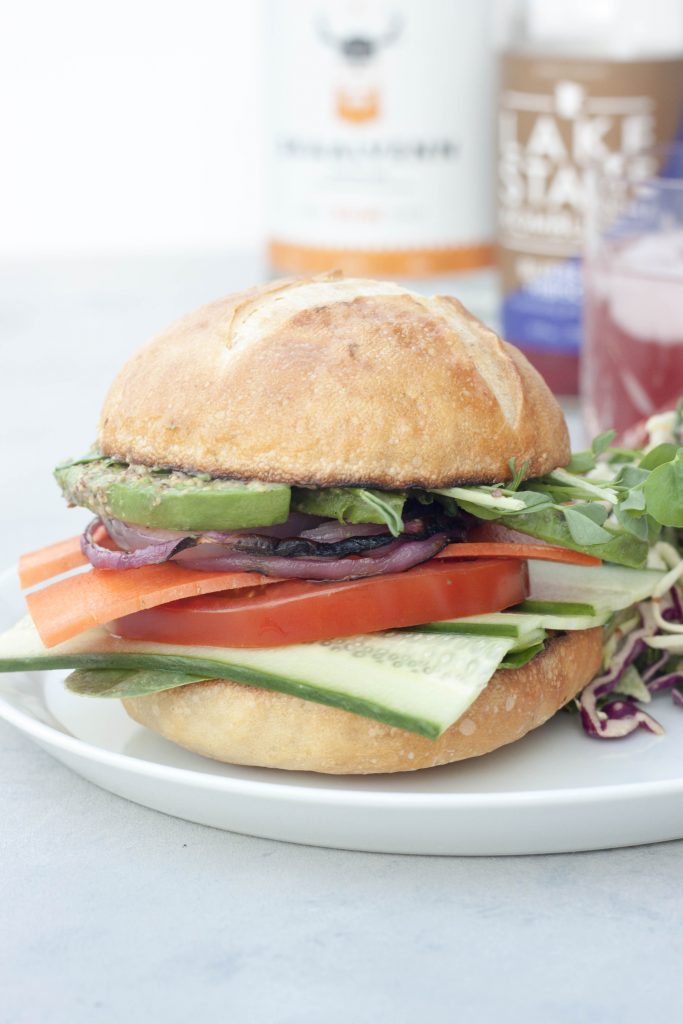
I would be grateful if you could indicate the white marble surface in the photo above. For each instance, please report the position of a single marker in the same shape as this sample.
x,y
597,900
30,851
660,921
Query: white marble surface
x,y
111,912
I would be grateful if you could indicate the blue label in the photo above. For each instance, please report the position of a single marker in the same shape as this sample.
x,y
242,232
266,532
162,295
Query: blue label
x,y
546,314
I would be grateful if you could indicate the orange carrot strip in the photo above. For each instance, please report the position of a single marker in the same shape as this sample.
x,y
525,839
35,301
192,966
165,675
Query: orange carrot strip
x,y
38,566
541,552
72,605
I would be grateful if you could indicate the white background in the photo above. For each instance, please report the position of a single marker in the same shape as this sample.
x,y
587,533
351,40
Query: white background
x,y
134,125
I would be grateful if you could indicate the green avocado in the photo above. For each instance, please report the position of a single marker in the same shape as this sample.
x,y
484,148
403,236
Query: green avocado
x,y
168,499
352,505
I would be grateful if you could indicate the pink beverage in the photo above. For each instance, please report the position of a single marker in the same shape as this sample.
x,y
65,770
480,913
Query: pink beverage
x,y
582,83
633,361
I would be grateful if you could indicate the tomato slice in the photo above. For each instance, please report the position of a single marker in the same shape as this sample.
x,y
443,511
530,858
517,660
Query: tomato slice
x,y
298,611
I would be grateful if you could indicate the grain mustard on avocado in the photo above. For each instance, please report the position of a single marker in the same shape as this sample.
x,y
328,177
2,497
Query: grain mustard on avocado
x,y
169,499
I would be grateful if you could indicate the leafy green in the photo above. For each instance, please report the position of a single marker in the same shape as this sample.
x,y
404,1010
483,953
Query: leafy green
x,y
578,487
551,525
487,498
664,452
636,524
353,505
634,501
389,507
664,492
581,462
602,442
515,659
678,418
493,502
630,477
595,511
585,531
518,475
91,456
632,685
609,502
119,683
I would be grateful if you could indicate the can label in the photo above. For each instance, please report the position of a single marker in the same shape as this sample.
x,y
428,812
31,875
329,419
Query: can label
x,y
557,116
378,138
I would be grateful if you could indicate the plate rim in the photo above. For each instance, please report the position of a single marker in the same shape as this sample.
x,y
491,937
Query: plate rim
x,y
302,793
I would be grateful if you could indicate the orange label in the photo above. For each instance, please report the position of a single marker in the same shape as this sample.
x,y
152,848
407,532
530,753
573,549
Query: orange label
x,y
361,262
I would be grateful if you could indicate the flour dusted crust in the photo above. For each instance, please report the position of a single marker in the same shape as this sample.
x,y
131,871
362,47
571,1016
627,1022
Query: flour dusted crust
x,y
247,725
329,380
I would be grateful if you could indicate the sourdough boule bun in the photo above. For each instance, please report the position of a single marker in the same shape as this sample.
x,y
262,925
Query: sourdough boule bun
x,y
328,381
247,725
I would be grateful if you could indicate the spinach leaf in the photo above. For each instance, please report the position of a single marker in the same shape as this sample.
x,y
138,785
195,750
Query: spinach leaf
x,y
664,492
664,452
551,525
584,529
352,505
602,442
515,659
119,683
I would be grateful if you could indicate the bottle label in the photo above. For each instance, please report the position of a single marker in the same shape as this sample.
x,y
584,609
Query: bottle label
x,y
378,129
557,116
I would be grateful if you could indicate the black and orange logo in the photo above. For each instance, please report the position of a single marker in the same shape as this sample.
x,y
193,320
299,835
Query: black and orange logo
x,y
357,96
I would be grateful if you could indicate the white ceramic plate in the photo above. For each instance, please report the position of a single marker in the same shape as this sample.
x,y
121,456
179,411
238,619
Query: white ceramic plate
x,y
555,791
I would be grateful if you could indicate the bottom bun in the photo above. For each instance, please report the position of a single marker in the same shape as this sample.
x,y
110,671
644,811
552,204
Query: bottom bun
x,y
247,725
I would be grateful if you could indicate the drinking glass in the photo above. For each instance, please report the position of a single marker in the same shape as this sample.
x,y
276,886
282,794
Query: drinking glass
x,y
632,360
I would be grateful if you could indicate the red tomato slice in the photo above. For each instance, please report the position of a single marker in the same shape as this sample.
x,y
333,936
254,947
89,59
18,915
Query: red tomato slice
x,y
298,611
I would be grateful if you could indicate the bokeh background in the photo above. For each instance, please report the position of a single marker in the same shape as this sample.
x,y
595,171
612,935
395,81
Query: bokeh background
x,y
134,126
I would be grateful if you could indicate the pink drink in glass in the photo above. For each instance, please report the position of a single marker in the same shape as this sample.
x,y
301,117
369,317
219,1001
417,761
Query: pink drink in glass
x,y
633,364
632,361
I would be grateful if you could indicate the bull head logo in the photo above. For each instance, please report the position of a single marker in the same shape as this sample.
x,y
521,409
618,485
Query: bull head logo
x,y
357,98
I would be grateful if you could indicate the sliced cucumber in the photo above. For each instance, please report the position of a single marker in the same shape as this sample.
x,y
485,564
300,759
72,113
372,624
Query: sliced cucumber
x,y
524,631
562,616
510,624
557,608
526,628
605,588
416,682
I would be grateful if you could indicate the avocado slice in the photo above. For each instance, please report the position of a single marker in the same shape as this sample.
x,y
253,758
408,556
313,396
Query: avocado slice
x,y
169,499
353,505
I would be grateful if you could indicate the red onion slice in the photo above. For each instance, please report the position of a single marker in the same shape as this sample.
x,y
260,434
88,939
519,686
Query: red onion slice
x,y
131,536
330,531
395,557
212,556
106,558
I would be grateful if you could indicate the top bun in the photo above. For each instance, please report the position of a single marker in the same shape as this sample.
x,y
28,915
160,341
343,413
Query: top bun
x,y
333,381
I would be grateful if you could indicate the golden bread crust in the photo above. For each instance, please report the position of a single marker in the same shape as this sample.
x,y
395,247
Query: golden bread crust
x,y
330,381
242,724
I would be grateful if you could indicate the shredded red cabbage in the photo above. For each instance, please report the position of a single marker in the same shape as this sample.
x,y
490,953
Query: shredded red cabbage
x,y
667,682
605,718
